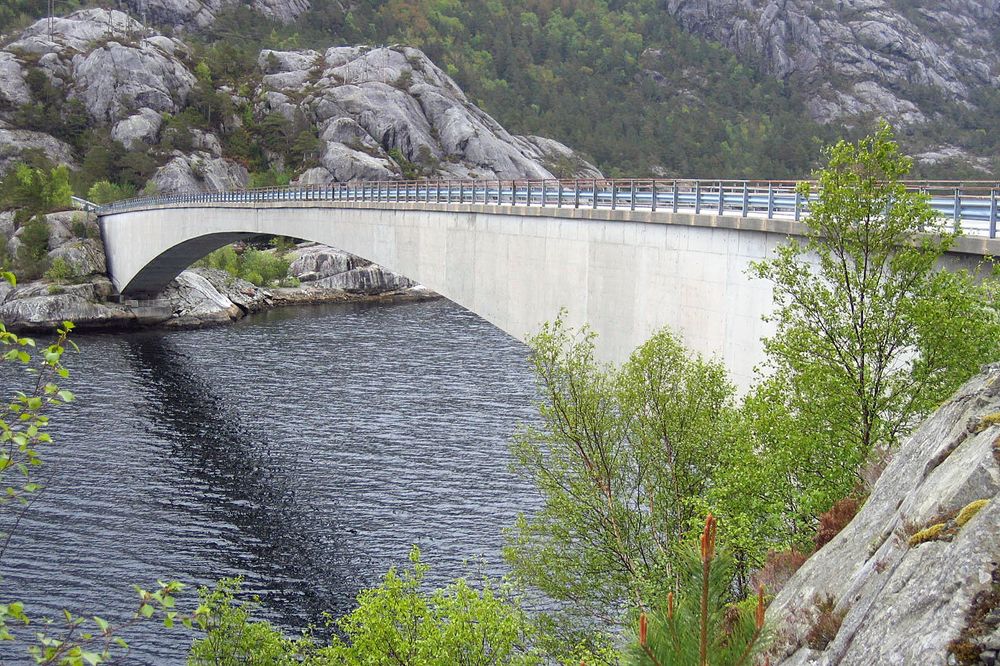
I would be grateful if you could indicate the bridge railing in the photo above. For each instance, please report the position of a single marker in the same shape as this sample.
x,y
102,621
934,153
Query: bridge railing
x,y
969,205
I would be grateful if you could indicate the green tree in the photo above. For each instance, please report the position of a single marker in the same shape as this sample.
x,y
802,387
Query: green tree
x,y
36,189
104,192
870,334
397,623
624,459
33,253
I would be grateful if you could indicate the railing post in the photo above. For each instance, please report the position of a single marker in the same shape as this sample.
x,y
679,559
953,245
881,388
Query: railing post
x,y
798,205
674,192
593,192
576,193
770,201
652,202
545,192
631,198
697,197
958,208
722,199
614,194
559,194
993,214
746,198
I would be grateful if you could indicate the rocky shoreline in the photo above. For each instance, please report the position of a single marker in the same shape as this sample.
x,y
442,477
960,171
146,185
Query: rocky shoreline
x,y
196,298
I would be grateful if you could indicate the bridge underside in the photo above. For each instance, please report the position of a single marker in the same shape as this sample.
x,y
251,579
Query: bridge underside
x,y
624,273
154,277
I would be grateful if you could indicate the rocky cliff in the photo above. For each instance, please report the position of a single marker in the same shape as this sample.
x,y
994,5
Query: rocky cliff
x,y
376,113
893,58
915,577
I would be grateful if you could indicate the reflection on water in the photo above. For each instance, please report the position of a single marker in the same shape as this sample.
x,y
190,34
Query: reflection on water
x,y
304,450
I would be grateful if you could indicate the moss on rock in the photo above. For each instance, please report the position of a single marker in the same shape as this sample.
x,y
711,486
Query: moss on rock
x,y
987,421
969,511
927,534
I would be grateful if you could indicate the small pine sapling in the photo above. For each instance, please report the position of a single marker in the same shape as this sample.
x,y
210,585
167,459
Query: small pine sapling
x,y
697,625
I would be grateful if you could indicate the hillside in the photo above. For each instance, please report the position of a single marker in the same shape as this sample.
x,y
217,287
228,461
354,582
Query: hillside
x,y
120,102
693,88
709,88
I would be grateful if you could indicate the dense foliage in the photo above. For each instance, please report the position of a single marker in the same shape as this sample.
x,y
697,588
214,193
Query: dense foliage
x,y
871,335
262,268
397,622
618,81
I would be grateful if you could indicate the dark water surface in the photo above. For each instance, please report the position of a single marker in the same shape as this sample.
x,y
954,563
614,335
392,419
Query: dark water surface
x,y
303,449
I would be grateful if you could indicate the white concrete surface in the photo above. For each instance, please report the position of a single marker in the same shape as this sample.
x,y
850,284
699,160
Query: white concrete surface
x,y
625,273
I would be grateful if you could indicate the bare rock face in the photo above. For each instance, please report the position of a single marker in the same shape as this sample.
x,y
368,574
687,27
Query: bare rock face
x,y
110,62
881,52
197,14
14,90
199,172
15,142
905,572
367,103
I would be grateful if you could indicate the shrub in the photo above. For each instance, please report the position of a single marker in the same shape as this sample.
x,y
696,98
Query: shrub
x,y
105,192
32,255
458,624
79,227
826,621
778,569
232,636
409,170
268,267
698,626
60,271
834,520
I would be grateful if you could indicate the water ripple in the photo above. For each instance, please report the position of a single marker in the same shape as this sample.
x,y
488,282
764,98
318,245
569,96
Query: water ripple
x,y
304,450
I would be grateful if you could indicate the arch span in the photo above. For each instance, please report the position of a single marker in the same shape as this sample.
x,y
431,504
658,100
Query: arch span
x,y
625,273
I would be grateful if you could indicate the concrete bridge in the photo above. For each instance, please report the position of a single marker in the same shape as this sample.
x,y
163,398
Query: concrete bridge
x,y
626,257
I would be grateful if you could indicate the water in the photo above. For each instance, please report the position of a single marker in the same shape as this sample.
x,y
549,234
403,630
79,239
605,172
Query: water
x,y
303,449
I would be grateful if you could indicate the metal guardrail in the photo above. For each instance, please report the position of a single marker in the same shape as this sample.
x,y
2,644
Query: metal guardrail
x,y
969,205
83,204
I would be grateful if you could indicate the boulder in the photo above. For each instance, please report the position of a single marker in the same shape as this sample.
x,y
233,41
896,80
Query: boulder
x,y
115,78
314,261
15,142
366,280
110,62
138,129
199,172
84,257
38,306
903,575
196,302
